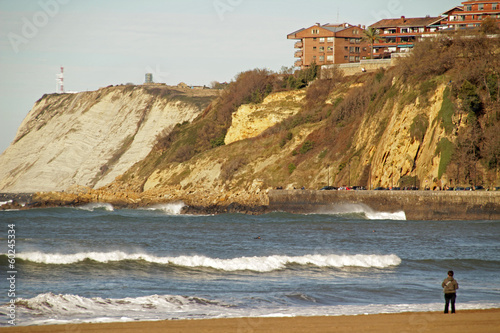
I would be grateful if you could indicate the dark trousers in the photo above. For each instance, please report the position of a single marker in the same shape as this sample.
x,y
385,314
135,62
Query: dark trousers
x,y
450,298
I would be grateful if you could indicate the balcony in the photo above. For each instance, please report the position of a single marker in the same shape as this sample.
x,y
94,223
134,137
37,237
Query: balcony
x,y
298,45
299,54
298,63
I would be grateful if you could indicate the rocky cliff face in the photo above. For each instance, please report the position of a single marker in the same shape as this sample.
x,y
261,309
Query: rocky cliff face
x,y
90,138
375,129
252,119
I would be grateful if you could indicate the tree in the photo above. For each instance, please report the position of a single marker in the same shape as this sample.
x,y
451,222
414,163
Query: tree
x,y
371,35
489,26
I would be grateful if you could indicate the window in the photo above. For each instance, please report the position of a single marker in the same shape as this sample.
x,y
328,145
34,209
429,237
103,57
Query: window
x,y
468,8
481,7
322,40
329,58
352,41
321,49
315,31
346,48
330,49
314,48
322,58
495,6
351,49
346,58
329,39
357,59
355,32
357,50
352,58
404,30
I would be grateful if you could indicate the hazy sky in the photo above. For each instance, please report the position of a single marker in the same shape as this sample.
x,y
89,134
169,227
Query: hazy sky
x,y
110,42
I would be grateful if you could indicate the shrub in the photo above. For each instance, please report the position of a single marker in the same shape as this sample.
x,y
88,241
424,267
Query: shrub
x,y
409,181
446,112
307,146
231,166
446,149
291,168
419,127
471,99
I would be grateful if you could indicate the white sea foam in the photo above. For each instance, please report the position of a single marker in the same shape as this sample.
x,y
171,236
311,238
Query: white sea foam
x,y
45,308
97,205
169,208
257,264
5,202
368,212
49,308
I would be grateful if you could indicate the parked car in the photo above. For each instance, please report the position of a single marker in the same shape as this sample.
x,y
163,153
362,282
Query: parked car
x,y
328,188
479,188
380,188
459,188
450,189
395,188
359,188
497,188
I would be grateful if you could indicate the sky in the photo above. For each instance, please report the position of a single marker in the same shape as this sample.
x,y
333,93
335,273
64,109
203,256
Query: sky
x,y
112,42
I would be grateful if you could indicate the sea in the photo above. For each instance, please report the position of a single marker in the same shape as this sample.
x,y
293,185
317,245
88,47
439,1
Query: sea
x,y
96,263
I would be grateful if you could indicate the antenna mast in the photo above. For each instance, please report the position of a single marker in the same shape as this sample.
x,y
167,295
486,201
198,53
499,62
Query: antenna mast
x,y
60,82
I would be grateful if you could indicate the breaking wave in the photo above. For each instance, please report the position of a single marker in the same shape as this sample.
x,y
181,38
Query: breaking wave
x,y
49,308
170,208
97,206
365,211
76,308
257,264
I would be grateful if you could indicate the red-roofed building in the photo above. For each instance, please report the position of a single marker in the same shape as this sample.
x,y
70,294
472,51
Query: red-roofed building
x,y
399,35
329,44
471,14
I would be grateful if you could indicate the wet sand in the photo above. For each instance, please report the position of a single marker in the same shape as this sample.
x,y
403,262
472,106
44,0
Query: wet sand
x,y
484,321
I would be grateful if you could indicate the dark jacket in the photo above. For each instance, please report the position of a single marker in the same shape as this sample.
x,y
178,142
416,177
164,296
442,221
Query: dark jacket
x,y
450,285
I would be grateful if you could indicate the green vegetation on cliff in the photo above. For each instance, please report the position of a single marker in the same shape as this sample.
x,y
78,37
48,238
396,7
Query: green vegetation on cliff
x,y
350,130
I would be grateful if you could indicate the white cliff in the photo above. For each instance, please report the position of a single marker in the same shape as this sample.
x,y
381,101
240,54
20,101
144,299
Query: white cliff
x,y
90,138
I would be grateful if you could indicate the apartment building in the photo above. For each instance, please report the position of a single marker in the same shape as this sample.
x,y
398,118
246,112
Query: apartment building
x,y
329,44
471,14
399,35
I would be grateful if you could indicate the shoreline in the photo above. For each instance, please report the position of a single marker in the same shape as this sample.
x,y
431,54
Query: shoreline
x,y
485,321
417,205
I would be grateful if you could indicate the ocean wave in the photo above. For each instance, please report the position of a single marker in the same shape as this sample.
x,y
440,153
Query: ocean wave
x,y
69,306
49,308
365,211
97,206
170,208
257,264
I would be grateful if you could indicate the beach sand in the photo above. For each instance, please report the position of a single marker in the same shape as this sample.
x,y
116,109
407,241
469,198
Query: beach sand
x,y
483,321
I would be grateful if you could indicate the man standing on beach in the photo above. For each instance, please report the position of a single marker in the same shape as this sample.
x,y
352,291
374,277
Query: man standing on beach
x,y
450,286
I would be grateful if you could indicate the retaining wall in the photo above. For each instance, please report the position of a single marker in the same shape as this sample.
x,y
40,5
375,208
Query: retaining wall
x,y
417,205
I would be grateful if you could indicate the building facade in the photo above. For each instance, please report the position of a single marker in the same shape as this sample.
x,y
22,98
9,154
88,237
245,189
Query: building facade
x,y
399,35
329,44
471,14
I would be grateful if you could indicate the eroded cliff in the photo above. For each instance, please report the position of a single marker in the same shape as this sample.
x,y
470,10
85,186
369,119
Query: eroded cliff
x,y
89,138
429,122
